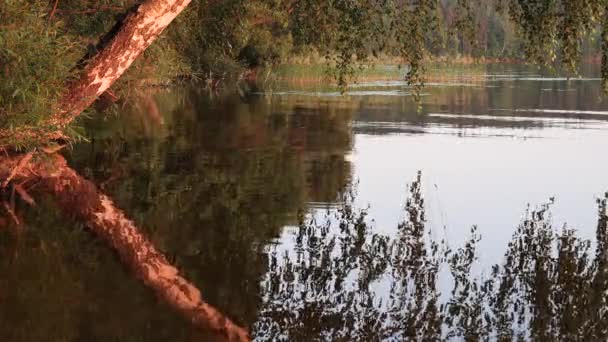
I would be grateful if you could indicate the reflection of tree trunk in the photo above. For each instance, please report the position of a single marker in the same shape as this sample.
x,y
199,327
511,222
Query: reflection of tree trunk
x,y
143,24
80,198
150,113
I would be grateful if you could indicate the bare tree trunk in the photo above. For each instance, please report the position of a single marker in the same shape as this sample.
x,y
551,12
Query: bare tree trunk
x,y
138,30
80,198
142,25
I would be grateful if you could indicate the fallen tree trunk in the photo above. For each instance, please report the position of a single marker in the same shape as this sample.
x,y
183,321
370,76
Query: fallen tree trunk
x,y
80,198
141,26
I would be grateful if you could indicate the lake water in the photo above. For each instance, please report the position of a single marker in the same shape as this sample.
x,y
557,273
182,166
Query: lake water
x,y
289,210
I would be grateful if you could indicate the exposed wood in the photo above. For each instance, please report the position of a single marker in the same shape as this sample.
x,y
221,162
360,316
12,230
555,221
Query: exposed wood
x,y
50,149
79,198
52,13
24,195
139,29
141,26
20,165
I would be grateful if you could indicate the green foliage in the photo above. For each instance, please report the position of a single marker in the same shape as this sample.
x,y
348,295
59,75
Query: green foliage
x,y
222,39
36,58
552,27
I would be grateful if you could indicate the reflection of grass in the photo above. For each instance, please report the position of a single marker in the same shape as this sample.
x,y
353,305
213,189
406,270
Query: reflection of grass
x,y
306,74
319,72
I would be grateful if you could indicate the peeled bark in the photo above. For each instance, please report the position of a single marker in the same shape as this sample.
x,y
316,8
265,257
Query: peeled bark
x,y
139,29
142,25
80,198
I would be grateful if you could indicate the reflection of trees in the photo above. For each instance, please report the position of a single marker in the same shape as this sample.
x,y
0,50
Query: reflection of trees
x,y
487,103
59,283
209,187
213,188
345,282
79,198
219,182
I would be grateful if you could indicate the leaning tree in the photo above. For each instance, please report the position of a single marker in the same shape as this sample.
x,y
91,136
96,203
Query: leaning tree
x,y
349,32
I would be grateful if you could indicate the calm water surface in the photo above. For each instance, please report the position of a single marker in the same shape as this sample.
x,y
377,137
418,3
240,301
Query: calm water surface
x,y
305,215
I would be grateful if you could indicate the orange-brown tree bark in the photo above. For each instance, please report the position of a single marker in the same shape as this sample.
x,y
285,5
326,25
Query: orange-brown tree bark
x,y
80,198
142,25
139,29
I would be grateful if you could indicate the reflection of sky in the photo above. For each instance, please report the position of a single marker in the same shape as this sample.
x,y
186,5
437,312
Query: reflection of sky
x,y
485,154
487,181
484,181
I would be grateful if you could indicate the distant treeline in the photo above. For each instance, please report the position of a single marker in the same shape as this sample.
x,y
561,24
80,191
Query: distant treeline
x,y
45,43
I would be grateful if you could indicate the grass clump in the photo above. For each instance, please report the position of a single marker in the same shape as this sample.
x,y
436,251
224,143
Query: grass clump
x,y
36,58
